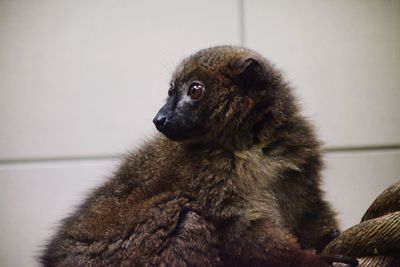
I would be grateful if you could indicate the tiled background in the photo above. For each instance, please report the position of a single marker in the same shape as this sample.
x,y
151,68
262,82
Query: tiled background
x,y
81,80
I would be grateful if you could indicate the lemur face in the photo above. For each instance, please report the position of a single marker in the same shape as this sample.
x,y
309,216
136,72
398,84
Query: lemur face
x,y
181,117
210,93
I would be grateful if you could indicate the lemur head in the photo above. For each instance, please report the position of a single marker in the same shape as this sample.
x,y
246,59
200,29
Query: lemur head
x,y
213,93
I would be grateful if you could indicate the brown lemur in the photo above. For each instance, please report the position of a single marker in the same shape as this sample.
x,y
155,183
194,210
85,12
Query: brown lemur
x,y
233,181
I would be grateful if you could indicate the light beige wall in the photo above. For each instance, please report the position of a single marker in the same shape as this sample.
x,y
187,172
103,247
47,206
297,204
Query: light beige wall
x,y
81,80
344,59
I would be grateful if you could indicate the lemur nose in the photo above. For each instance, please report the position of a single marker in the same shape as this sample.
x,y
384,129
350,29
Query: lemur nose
x,y
159,121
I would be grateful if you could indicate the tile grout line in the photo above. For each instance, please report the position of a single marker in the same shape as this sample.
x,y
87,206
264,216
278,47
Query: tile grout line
x,y
61,159
241,23
327,150
361,148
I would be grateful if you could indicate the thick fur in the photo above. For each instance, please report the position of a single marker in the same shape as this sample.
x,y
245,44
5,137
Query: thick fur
x,y
243,191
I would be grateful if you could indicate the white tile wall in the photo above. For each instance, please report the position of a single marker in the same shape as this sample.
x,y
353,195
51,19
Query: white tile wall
x,y
342,56
82,80
34,197
353,180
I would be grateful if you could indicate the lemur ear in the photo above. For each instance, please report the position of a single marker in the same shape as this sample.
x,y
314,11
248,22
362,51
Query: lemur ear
x,y
250,74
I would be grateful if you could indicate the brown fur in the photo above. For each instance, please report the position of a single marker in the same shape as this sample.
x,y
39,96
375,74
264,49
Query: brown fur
x,y
243,193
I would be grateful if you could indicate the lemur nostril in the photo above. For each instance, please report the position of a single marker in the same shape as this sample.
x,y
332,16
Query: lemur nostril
x,y
159,121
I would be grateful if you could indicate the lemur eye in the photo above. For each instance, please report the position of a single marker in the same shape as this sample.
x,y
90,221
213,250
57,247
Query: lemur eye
x,y
196,90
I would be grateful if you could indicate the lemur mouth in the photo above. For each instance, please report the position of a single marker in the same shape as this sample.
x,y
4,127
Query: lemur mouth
x,y
180,134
